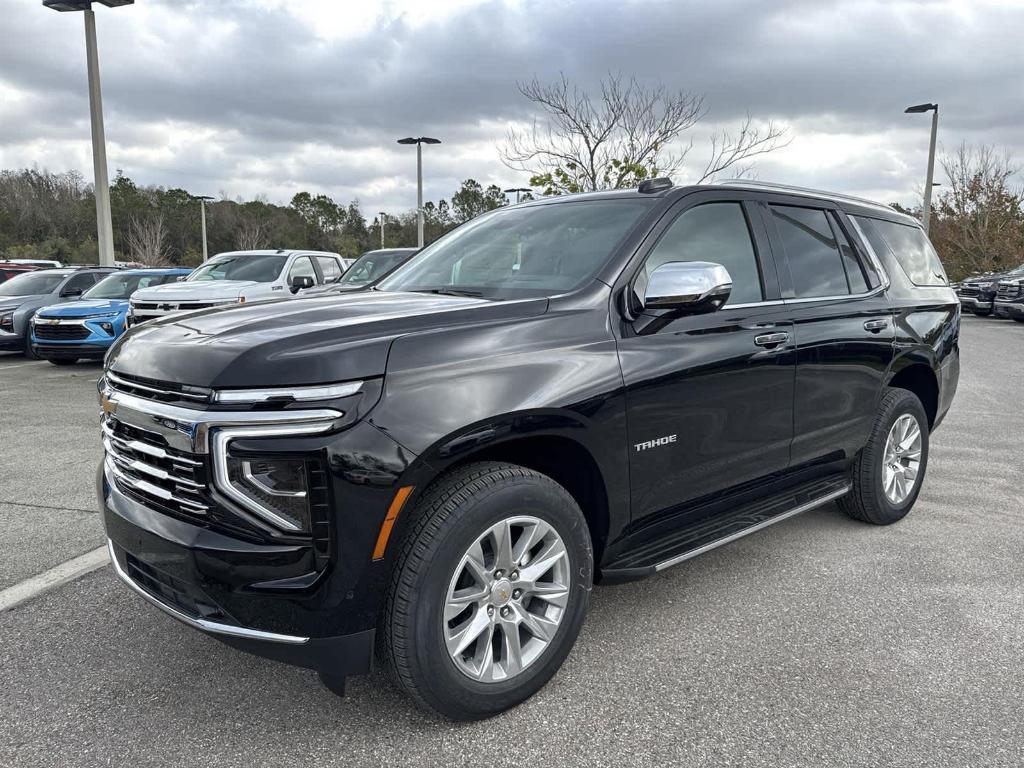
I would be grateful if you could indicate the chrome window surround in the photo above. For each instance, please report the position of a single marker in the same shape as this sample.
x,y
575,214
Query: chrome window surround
x,y
203,624
211,432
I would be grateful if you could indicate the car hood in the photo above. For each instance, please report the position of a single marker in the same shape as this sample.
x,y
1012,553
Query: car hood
x,y
282,343
86,308
8,303
200,290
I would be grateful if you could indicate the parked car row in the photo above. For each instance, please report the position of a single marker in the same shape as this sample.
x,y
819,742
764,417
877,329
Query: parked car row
x,y
999,294
76,313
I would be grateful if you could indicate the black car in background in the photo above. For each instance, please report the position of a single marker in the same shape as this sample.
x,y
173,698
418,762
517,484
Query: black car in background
x,y
1009,301
978,293
22,296
585,388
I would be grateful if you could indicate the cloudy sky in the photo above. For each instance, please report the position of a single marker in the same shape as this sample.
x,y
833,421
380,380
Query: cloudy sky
x,y
269,97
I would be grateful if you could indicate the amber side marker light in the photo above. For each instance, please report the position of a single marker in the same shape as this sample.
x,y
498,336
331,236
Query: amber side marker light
x,y
389,521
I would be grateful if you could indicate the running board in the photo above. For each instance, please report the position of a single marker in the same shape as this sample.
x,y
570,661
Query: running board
x,y
697,539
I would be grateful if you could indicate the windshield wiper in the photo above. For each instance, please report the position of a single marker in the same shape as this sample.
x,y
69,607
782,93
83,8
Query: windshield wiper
x,y
448,292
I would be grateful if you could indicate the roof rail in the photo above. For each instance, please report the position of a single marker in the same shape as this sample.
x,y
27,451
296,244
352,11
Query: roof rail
x,y
770,186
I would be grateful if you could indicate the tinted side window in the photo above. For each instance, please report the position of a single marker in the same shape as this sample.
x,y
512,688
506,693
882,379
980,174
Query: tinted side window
x,y
910,246
83,282
856,275
330,268
814,259
715,232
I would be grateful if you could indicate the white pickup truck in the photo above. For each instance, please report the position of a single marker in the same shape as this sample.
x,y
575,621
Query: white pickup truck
x,y
237,277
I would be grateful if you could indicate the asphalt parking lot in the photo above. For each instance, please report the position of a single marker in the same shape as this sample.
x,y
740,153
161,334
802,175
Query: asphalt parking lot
x,y
819,641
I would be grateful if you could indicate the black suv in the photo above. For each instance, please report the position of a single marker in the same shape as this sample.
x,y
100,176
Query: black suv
x,y
579,389
978,293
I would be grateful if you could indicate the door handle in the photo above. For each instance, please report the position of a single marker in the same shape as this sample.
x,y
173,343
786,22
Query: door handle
x,y
771,340
876,325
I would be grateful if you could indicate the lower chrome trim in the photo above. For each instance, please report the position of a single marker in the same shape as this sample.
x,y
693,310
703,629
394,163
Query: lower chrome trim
x,y
202,624
740,534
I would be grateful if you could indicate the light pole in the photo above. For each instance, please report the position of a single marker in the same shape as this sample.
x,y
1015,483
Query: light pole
x,y
202,217
381,217
934,109
419,142
104,228
517,190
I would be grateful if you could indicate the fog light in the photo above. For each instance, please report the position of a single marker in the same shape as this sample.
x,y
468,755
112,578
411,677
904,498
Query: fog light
x,y
108,327
276,489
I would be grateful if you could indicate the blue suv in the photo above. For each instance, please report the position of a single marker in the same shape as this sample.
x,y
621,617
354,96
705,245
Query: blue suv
x,y
85,329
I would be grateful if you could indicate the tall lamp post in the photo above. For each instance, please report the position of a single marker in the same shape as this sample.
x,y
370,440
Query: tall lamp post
x,y
104,228
380,217
517,190
202,218
419,142
934,109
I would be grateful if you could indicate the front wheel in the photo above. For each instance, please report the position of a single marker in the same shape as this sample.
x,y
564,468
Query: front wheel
x,y
489,591
888,472
982,312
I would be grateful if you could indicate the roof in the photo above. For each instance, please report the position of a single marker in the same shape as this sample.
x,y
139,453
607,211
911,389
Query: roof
x,y
156,271
274,252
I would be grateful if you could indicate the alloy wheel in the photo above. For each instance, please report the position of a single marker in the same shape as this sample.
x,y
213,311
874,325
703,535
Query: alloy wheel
x,y
902,459
506,599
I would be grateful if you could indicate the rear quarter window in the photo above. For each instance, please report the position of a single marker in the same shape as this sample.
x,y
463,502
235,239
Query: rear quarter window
x,y
909,245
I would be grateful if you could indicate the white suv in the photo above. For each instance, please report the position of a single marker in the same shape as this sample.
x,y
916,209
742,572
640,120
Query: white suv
x,y
237,277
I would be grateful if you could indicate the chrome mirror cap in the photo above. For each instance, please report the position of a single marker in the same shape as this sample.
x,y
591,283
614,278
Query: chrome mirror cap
x,y
694,285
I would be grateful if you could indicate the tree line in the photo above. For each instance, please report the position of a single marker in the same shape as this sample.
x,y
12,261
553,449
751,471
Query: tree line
x,y
45,215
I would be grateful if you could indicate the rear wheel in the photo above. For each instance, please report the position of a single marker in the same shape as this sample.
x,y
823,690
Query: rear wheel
x,y
888,473
489,592
1019,318
983,312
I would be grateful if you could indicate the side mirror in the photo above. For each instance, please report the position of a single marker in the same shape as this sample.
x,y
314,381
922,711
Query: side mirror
x,y
70,293
180,278
301,281
691,286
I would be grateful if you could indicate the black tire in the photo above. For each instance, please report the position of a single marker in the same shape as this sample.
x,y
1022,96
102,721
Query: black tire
x,y
63,360
1018,318
453,512
867,500
982,312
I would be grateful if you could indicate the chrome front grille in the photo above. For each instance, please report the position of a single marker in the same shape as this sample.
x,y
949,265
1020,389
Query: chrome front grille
x,y
1008,291
157,390
968,290
149,470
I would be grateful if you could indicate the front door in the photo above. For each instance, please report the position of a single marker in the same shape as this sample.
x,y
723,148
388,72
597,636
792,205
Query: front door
x,y
709,396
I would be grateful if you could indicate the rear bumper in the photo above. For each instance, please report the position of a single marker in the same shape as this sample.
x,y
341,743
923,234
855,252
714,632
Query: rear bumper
x,y
214,584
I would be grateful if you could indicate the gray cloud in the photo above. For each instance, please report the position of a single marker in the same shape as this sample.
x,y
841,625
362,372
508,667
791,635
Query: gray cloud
x,y
237,98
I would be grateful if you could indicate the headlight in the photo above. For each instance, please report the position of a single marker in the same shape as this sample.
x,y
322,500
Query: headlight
x,y
276,489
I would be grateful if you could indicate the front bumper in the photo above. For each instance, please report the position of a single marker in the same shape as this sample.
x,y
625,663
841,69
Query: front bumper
x,y
65,351
216,584
976,303
11,341
1008,309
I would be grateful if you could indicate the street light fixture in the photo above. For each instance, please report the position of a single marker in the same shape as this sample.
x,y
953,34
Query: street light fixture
x,y
517,190
419,142
934,109
104,228
202,217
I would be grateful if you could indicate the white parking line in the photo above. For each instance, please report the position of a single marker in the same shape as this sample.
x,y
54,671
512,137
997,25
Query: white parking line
x,y
57,576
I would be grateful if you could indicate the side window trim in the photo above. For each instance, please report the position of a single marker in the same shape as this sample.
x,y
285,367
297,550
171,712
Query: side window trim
x,y
876,261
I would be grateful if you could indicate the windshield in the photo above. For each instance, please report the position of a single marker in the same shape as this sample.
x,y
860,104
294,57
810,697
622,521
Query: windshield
x,y
31,284
123,286
371,266
262,268
522,252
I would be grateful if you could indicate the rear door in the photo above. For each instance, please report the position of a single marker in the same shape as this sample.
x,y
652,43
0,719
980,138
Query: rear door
x,y
843,322
709,397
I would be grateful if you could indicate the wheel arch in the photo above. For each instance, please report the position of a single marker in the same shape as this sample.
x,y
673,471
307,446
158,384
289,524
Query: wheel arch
x,y
918,376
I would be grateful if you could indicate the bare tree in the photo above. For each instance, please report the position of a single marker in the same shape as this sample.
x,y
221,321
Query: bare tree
x,y
251,235
146,241
629,133
979,224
